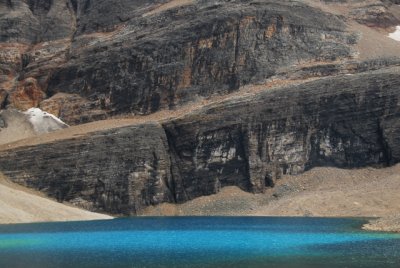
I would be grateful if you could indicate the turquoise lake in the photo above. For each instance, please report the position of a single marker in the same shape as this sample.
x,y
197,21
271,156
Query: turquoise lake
x,y
198,242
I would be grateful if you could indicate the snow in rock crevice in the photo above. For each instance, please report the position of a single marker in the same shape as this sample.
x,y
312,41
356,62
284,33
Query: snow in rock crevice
x,y
396,34
43,122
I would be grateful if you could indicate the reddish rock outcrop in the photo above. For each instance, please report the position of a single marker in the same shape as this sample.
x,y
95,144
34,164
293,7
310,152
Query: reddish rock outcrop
x,y
27,95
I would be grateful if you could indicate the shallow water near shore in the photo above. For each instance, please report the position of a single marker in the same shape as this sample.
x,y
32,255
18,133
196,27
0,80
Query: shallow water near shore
x,y
198,242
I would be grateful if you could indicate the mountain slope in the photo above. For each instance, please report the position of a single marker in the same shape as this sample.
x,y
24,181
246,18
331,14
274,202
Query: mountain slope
x,y
250,141
198,95
18,205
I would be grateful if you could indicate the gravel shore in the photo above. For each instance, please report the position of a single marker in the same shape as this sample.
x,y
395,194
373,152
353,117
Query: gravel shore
x,y
320,192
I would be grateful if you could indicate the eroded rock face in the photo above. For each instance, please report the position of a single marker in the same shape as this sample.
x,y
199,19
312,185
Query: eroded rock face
x,y
28,94
32,21
345,121
2,123
375,15
83,60
73,108
142,60
139,57
10,64
166,59
339,122
125,171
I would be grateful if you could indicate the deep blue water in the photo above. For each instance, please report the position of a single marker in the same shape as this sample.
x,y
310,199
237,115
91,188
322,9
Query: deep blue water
x,y
198,242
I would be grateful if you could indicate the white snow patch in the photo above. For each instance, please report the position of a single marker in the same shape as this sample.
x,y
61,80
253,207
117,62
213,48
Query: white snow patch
x,y
44,122
396,34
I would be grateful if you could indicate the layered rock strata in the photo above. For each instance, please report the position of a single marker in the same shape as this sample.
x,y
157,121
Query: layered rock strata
x,y
143,56
344,121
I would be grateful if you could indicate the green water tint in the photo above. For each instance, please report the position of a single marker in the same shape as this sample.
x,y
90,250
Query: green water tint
x,y
199,242
17,243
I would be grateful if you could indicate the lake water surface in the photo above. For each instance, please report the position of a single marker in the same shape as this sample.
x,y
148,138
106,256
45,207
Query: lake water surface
x,y
198,242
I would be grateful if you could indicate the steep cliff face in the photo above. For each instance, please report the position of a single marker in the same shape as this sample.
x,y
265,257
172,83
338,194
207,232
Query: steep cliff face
x,y
345,121
161,60
116,57
136,56
117,171
85,60
34,21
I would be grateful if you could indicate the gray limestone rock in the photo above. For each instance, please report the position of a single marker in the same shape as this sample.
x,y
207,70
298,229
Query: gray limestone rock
x,y
346,121
118,171
32,21
142,60
169,58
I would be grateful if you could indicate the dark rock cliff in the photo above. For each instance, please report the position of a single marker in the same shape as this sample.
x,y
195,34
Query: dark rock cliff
x,y
161,60
127,56
344,121
93,59
117,171
347,121
34,21
85,60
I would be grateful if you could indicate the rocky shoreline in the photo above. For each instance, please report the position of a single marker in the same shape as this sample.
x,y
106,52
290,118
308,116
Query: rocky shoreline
x,y
231,201
321,192
385,224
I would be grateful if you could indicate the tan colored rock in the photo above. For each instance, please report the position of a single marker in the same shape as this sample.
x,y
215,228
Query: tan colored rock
x,y
27,95
10,64
72,108
386,224
53,105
